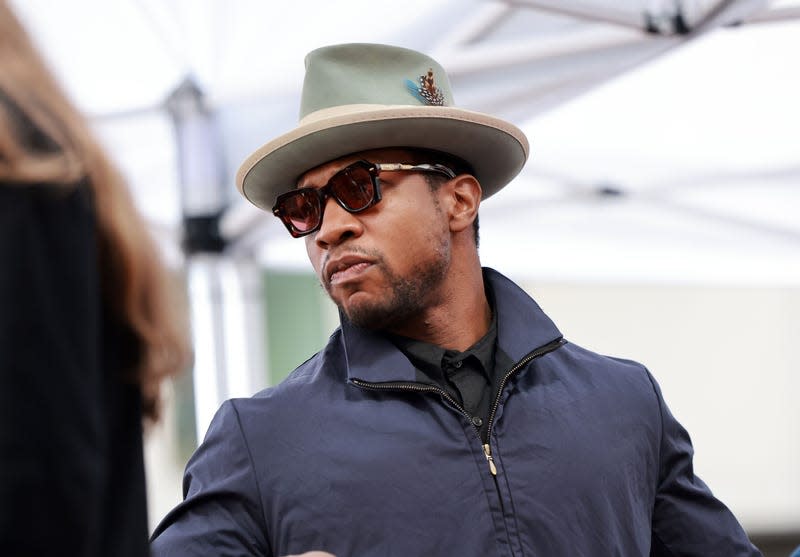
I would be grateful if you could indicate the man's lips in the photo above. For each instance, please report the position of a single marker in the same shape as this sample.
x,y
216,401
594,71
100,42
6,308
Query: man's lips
x,y
345,268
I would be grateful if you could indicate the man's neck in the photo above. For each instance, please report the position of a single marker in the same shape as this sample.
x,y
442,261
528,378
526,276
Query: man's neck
x,y
456,322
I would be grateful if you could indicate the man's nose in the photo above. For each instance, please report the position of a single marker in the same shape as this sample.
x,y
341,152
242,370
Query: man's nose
x,y
337,225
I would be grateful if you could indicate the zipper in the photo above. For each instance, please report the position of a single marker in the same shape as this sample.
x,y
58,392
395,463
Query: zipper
x,y
487,451
416,387
541,351
419,388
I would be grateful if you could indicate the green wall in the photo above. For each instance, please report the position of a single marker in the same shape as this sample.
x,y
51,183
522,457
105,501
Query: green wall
x,y
299,316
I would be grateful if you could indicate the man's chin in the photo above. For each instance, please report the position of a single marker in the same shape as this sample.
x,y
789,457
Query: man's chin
x,y
367,315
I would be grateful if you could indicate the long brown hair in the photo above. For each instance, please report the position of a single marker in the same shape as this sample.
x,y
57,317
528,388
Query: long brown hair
x,y
136,286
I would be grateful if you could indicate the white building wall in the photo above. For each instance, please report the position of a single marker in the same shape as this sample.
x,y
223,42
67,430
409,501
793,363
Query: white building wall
x,y
727,359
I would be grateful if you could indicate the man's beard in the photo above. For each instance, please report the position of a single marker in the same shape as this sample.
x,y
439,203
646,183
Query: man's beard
x,y
407,297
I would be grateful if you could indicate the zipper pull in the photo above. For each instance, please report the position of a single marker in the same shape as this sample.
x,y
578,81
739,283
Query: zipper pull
x,y
488,452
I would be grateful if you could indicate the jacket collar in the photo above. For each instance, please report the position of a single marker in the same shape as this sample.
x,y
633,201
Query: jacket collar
x,y
521,328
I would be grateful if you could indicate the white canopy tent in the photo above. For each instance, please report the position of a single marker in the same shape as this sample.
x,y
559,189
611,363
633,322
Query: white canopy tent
x,y
665,134
667,155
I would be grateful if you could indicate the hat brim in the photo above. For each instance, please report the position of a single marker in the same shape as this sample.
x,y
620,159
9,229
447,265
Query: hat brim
x,y
496,149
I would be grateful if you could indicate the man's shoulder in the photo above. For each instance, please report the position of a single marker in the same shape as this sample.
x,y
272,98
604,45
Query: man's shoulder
x,y
586,356
307,381
603,371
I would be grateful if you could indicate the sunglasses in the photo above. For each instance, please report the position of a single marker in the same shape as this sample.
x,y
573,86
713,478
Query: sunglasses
x,y
355,188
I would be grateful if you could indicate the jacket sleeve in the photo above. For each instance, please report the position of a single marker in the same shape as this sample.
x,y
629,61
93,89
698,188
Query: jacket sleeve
x,y
221,513
687,519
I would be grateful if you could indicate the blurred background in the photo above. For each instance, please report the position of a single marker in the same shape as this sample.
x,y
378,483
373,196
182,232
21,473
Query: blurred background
x,y
658,218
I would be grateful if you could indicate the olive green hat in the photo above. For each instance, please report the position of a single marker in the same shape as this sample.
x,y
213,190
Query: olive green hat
x,y
358,97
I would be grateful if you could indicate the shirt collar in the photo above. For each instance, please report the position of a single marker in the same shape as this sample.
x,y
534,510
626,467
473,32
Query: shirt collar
x,y
430,358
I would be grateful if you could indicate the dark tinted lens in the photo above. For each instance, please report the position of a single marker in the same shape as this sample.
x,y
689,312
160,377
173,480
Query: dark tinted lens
x,y
302,209
353,187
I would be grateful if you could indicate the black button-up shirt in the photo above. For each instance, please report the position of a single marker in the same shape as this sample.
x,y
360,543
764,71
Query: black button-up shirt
x,y
470,377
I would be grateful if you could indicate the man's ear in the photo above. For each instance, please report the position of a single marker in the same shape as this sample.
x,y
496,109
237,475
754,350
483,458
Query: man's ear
x,y
464,194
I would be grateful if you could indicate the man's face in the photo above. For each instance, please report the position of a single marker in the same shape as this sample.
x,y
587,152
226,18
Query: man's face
x,y
385,266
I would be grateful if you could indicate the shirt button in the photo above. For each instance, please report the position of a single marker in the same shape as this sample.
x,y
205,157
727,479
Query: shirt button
x,y
476,421
459,363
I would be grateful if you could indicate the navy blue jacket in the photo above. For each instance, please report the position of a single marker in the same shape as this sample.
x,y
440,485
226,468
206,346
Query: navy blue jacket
x,y
351,456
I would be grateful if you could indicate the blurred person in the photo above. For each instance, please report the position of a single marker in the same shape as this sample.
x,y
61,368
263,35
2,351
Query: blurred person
x,y
447,415
89,326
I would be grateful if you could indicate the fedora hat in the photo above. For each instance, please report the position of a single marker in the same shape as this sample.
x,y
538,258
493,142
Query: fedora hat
x,y
358,97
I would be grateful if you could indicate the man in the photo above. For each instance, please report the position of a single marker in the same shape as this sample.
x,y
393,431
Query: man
x,y
447,416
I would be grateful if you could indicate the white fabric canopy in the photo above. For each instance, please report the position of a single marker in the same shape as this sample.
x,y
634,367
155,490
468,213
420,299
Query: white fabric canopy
x,y
655,155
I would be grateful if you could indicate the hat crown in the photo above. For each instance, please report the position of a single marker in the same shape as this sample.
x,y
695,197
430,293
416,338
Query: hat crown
x,y
358,97
353,74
